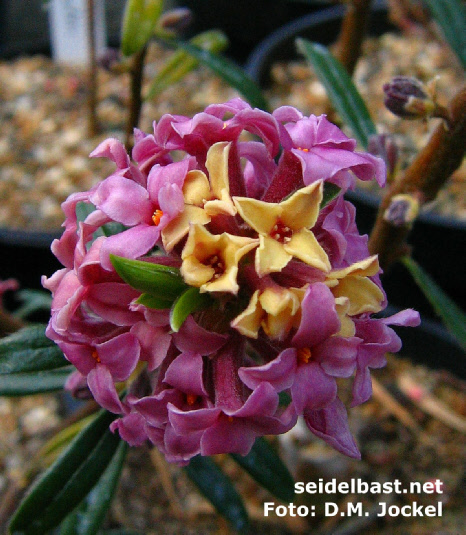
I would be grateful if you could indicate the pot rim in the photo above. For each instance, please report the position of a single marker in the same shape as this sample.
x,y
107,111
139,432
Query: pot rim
x,y
257,65
28,238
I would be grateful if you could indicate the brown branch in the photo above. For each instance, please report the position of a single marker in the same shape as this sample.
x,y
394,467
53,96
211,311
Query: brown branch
x,y
352,33
92,87
136,76
421,181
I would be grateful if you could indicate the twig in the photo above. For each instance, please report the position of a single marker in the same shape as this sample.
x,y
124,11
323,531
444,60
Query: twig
x,y
92,87
161,465
382,395
352,33
136,74
430,404
422,180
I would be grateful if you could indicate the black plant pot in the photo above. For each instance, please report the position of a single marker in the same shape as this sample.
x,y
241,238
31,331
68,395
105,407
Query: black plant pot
x,y
436,241
26,256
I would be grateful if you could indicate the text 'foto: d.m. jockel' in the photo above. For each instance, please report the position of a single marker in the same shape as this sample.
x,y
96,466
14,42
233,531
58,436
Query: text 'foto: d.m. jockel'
x,y
218,287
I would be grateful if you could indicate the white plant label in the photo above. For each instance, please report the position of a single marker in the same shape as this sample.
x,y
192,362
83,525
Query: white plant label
x,y
69,29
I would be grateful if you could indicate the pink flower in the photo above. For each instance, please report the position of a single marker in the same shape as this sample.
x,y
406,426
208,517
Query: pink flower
x,y
265,291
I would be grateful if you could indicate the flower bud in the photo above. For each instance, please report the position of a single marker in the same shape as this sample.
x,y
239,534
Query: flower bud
x,y
403,210
176,20
408,98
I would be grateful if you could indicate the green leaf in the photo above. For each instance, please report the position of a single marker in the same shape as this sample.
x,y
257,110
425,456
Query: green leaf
x,y
453,317
230,73
266,467
90,514
139,22
331,191
189,301
181,63
450,15
33,301
219,490
29,350
152,301
65,484
340,90
161,281
26,384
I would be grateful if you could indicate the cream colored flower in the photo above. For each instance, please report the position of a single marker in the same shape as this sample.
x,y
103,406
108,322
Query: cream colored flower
x,y
284,229
210,261
353,283
204,196
275,309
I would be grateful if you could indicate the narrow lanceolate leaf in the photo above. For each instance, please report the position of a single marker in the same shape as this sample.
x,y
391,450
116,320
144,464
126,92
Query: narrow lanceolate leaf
x,y
331,191
450,15
230,73
340,89
219,490
89,516
33,301
155,279
29,350
452,316
265,466
26,384
139,22
181,63
68,481
188,302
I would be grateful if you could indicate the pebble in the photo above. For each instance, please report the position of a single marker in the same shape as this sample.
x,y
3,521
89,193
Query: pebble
x,y
44,145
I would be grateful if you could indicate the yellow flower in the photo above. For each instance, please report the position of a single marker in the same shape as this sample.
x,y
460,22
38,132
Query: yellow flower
x,y
353,283
204,197
210,261
284,229
275,309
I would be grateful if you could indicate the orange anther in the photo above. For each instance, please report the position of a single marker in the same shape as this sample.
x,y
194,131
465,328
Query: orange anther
x,y
95,356
191,399
157,216
304,355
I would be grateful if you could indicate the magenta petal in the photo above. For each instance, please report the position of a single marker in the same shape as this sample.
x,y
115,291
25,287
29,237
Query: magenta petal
x,y
181,448
154,408
262,402
228,437
120,355
280,372
113,149
405,318
174,174
111,300
131,428
331,425
154,342
319,317
123,200
103,389
337,355
184,422
131,243
313,388
185,374
192,337
362,386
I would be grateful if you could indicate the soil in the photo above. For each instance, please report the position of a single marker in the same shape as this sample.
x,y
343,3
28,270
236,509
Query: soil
x,y
412,430
44,140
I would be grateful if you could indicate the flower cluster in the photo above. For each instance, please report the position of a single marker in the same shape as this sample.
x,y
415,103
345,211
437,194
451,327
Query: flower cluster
x,y
219,287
